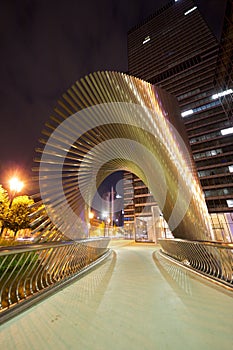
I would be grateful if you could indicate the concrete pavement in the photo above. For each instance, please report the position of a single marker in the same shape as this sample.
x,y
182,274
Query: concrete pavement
x,y
129,302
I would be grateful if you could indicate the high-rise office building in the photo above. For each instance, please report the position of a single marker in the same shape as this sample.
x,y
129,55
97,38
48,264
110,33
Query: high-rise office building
x,y
175,49
224,70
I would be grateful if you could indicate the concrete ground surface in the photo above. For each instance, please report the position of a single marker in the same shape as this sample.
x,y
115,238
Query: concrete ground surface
x,y
130,302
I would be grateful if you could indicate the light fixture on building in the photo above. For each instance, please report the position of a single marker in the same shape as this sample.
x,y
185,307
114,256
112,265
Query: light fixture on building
x,y
227,131
146,40
230,168
191,10
230,203
222,93
186,113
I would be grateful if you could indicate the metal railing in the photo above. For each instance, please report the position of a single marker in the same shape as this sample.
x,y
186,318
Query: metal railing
x,y
212,259
26,271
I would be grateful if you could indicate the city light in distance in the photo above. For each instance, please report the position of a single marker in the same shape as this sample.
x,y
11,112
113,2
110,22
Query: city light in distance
x,y
222,93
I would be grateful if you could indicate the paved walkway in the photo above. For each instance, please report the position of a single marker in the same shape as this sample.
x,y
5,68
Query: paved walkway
x,y
130,302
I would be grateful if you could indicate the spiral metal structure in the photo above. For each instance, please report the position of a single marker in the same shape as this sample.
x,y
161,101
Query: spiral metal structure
x,y
107,122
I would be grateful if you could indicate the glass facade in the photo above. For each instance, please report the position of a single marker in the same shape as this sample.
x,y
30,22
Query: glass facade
x,y
184,58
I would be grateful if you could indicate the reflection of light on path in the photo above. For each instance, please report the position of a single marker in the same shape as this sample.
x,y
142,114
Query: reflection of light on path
x,y
207,304
179,275
72,307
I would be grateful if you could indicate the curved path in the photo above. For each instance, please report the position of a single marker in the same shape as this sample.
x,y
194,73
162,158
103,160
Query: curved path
x,y
130,302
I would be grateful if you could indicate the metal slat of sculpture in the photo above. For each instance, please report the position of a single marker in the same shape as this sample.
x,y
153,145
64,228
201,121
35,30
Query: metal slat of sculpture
x,y
107,122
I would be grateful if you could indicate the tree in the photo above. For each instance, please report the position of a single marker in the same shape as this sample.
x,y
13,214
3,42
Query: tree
x,y
4,205
17,216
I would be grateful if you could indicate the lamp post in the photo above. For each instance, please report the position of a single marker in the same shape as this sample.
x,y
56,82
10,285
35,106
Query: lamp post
x,y
108,221
16,186
91,216
104,217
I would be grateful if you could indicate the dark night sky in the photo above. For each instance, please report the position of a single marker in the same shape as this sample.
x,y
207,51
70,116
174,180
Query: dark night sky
x,y
46,46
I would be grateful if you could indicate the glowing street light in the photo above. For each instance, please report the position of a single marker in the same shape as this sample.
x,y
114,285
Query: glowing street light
x,y
15,185
91,215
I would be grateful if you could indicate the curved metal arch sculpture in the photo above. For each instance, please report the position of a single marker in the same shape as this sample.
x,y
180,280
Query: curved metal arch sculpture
x,y
110,121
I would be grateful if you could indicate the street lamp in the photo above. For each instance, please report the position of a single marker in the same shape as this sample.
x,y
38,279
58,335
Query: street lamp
x,y
108,221
104,217
90,216
15,187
